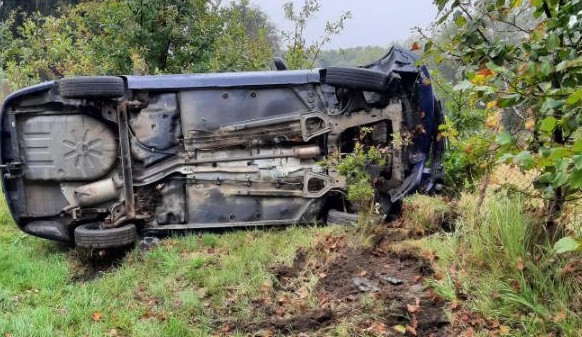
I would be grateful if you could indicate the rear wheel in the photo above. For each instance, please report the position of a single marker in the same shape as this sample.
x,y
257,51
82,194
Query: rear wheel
x,y
94,237
92,87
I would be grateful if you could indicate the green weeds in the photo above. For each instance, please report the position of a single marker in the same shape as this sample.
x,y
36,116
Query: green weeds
x,y
499,265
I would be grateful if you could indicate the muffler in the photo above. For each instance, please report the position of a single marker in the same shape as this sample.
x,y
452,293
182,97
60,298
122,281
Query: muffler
x,y
98,192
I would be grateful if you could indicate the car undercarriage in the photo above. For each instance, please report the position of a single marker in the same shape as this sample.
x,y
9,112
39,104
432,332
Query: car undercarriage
x,y
101,160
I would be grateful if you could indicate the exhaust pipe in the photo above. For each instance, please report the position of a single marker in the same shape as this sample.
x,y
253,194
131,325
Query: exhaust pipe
x,y
98,192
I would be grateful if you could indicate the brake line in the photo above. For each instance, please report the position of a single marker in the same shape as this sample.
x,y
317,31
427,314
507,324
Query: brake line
x,y
145,147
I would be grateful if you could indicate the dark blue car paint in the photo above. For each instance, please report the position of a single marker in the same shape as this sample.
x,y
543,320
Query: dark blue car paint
x,y
222,80
13,197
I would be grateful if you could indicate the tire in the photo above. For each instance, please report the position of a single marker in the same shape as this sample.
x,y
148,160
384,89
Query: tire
x,y
92,87
342,218
356,78
93,237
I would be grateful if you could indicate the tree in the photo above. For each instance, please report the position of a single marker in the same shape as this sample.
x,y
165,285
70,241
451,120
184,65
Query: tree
x,y
525,58
133,36
299,53
24,8
256,23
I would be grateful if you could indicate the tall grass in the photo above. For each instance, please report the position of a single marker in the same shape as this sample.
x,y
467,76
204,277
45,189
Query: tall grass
x,y
500,260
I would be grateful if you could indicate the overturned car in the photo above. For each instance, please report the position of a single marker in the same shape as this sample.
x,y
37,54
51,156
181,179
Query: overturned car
x,y
101,160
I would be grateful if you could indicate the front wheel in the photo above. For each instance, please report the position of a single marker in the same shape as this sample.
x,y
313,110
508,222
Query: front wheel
x,y
336,217
357,78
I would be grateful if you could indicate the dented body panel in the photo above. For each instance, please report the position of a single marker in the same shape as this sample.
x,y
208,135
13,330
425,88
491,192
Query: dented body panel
x,y
187,152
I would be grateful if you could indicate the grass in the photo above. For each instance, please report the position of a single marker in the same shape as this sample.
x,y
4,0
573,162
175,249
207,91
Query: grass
x,y
499,264
177,289
426,214
496,264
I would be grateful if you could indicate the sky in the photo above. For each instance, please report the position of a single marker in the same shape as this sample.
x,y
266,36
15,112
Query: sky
x,y
373,22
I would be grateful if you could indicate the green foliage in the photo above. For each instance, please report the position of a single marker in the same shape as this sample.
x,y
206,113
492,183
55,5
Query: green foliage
x,y
136,36
357,167
300,53
501,262
28,7
526,58
463,128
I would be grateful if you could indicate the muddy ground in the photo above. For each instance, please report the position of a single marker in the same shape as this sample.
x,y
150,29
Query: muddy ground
x,y
375,291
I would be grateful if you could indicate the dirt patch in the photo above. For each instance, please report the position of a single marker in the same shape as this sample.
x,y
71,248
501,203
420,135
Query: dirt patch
x,y
87,265
284,272
311,320
395,281
376,290
373,266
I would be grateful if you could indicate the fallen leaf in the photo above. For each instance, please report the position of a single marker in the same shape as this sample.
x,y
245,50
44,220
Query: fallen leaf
x,y
432,295
494,324
519,263
413,308
411,330
485,72
469,332
515,285
504,329
149,313
96,316
377,328
400,328
560,316
570,267
225,328
415,46
454,304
